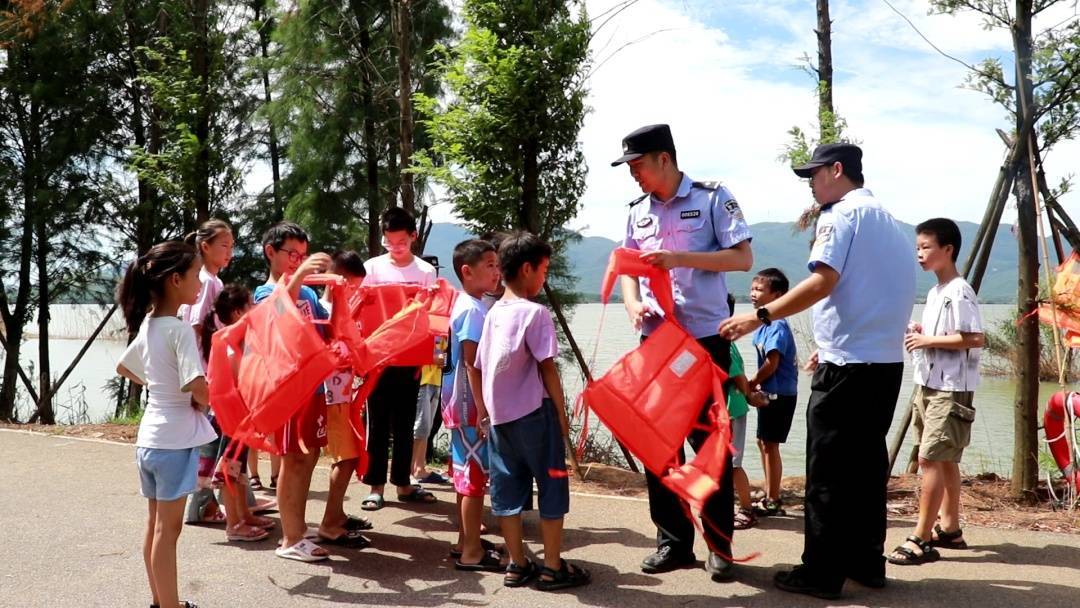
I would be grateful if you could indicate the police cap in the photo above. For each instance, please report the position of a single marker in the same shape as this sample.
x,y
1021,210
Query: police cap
x,y
652,138
848,155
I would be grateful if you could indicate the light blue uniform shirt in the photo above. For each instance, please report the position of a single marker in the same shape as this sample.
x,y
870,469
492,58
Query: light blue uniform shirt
x,y
700,217
864,318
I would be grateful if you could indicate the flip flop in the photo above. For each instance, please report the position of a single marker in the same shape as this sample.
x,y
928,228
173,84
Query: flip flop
x,y
357,523
373,502
491,562
248,534
263,505
303,551
433,478
255,483
485,544
351,539
418,495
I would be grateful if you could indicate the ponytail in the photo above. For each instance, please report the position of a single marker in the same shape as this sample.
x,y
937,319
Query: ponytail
x,y
206,233
145,279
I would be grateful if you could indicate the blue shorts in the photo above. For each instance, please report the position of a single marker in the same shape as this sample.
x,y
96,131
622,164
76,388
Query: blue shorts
x,y
469,458
525,449
167,474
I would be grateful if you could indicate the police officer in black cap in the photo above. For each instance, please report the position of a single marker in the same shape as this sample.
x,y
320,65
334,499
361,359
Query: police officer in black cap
x,y
696,231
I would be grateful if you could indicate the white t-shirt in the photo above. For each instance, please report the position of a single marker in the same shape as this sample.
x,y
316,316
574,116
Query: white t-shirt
x,y
950,309
381,269
164,357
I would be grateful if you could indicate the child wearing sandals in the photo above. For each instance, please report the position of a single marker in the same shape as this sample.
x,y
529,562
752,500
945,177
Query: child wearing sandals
x,y
164,357
945,351
524,400
241,523
476,266
739,397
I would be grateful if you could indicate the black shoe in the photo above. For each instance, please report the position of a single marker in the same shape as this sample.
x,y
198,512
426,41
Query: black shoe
x,y
665,560
873,581
719,568
798,580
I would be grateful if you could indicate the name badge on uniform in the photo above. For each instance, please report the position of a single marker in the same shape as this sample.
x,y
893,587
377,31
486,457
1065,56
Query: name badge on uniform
x,y
685,215
644,222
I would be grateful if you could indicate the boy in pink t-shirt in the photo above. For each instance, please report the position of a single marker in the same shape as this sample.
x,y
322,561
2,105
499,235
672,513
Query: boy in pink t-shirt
x,y
524,399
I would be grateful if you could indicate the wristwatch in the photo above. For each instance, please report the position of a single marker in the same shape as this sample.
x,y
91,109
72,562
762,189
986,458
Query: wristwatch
x,y
763,316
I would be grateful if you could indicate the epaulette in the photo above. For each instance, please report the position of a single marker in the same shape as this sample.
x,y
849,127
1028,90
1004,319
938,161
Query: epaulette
x,y
639,199
708,185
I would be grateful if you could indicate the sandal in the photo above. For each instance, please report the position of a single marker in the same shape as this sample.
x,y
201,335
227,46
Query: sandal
x,y
273,482
357,523
419,495
246,533
948,540
255,483
373,502
351,539
744,519
264,505
769,507
565,577
485,544
491,562
261,522
907,557
217,518
519,576
303,551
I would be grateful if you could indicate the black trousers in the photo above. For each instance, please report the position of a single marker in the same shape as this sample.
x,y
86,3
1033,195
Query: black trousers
x,y
391,413
847,469
668,512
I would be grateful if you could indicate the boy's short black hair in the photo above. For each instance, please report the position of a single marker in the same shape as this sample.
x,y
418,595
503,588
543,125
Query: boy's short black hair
x,y
774,278
396,219
469,253
495,237
276,235
349,262
944,231
520,248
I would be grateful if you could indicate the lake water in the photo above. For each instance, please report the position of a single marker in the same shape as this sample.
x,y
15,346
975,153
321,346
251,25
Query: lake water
x,y
84,398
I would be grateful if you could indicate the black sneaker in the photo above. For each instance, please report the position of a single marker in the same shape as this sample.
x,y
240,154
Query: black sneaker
x,y
665,560
798,580
720,569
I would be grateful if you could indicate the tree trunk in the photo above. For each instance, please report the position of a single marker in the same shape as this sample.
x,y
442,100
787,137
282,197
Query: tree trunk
x,y
404,34
824,69
200,65
45,405
374,204
265,29
1025,443
530,187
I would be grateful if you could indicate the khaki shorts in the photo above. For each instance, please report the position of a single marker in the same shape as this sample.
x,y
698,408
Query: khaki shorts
x,y
341,441
942,421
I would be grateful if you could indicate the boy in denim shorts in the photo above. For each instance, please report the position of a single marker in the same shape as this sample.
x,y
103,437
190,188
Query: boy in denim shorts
x,y
524,400
945,350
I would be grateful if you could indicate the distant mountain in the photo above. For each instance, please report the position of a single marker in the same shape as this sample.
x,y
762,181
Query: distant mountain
x,y
774,245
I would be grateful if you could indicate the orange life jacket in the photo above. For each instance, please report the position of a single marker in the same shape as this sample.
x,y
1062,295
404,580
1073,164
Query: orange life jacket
x,y
1056,426
375,305
651,398
281,361
1066,295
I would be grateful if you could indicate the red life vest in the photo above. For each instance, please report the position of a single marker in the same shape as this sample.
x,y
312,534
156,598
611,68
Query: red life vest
x,y
375,305
1056,426
651,398
1066,295
280,361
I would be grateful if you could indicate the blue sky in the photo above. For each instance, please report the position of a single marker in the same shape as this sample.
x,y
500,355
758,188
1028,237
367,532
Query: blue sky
x,y
723,74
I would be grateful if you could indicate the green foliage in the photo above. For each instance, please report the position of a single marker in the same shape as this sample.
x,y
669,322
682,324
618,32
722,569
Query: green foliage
x,y
504,143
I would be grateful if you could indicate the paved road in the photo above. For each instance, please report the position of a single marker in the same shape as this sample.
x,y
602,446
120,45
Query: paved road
x,y
71,521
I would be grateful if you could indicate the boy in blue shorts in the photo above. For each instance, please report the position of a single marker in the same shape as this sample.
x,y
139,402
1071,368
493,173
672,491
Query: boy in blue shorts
x,y
778,378
524,400
477,267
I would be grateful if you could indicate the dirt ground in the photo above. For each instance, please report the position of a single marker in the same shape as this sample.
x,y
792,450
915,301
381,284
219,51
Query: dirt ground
x,y
985,498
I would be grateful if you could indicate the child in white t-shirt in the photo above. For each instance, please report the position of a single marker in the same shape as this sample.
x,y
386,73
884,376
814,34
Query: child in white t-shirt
x,y
165,358
945,350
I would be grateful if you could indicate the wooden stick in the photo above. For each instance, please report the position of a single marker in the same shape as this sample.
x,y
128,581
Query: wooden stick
x,y
86,346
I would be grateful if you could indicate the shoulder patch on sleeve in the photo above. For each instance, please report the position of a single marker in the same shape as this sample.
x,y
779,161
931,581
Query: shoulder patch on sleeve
x,y
823,232
638,199
732,207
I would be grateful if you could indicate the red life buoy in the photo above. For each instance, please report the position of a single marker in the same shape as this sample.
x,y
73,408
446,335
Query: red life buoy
x,y
1056,428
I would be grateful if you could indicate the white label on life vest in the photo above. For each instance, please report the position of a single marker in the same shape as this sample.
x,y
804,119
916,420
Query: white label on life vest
x,y
683,363
339,387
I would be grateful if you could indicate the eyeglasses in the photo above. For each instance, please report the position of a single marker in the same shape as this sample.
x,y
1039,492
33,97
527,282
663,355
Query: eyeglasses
x,y
294,256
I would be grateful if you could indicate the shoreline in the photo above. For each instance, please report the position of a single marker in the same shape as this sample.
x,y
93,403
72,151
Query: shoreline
x,y
985,497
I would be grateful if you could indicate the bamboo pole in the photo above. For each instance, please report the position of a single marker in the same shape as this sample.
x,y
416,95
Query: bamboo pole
x,y
557,306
